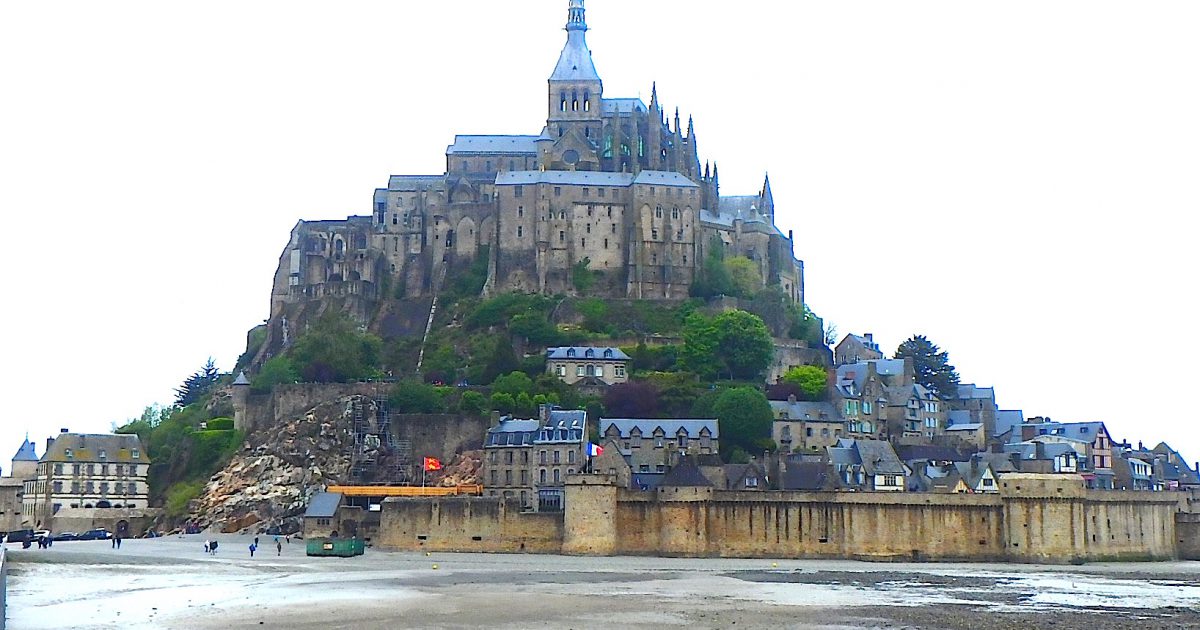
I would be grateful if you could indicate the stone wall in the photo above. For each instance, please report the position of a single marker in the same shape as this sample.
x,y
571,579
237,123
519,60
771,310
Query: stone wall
x,y
79,520
467,524
1036,523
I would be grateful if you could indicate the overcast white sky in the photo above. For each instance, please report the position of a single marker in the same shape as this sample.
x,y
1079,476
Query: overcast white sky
x,y
1016,180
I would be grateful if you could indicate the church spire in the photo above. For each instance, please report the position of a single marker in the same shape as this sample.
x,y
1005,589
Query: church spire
x,y
575,62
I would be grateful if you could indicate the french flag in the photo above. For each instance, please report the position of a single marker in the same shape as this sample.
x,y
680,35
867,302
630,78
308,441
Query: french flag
x,y
594,449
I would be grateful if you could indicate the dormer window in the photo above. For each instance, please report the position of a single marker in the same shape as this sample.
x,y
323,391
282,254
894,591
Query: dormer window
x,y
70,454
136,454
608,353
570,352
103,454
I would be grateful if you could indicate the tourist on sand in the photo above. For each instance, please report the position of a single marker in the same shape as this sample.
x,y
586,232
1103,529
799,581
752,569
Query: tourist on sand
x,y
114,542
278,547
206,546
252,548
213,547
118,539
256,541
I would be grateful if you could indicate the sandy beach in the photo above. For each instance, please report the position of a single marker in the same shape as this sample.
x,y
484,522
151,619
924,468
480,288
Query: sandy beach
x,y
172,583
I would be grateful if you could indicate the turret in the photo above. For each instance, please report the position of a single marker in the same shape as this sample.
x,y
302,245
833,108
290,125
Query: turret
x,y
575,89
766,201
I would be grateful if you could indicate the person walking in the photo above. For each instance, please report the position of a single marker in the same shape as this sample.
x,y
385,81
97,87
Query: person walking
x,y
213,547
206,546
118,539
278,547
252,547
256,541
114,542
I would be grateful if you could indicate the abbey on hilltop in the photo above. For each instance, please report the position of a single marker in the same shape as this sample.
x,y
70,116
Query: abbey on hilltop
x,y
609,185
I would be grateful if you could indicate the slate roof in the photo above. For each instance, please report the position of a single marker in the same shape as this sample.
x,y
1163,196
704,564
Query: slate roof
x,y
664,178
878,457
86,447
685,475
486,144
958,416
912,452
807,411
512,432
575,61
807,477
415,183
26,453
965,426
968,391
1007,419
568,178
622,105
646,480
670,427
323,505
241,379
563,426
596,353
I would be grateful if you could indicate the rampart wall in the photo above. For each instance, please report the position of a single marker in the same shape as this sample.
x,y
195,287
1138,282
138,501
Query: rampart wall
x,y
1036,523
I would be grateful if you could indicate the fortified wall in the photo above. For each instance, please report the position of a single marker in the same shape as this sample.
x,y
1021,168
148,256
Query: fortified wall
x,y
1035,518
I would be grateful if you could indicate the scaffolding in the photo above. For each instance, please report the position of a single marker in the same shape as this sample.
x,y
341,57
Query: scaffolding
x,y
379,456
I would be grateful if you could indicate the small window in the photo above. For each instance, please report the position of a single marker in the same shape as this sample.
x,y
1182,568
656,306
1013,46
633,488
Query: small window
x,y
520,231
518,191
136,454
557,190
70,454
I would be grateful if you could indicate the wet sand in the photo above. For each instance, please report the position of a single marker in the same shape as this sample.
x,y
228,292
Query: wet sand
x,y
171,583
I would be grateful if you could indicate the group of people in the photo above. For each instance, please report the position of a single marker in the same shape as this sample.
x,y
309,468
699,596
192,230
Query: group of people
x,y
210,546
116,541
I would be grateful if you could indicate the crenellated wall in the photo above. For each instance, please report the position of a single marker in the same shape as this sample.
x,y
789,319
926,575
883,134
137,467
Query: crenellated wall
x,y
1035,518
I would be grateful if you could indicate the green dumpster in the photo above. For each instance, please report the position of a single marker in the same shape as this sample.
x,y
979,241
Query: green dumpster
x,y
339,547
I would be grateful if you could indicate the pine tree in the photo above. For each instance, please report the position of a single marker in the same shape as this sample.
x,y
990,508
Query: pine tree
x,y
197,385
931,364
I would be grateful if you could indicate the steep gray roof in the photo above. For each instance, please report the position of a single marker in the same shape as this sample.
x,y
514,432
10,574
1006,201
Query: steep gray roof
x,y
597,353
515,145
622,105
878,457
575,61
1006,419
563,426
685,474
26,453
87,447
664,178
965,426
582,178
241,379
670,427
809,411
807,476
323,505
415,183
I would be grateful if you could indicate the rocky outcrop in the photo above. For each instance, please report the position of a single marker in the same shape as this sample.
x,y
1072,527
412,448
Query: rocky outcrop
x,y
270,481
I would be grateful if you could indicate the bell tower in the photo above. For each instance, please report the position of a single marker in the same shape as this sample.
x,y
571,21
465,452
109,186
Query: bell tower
x,y
575,87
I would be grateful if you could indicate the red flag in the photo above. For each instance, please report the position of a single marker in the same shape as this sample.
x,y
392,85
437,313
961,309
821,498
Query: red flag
x,y
433,463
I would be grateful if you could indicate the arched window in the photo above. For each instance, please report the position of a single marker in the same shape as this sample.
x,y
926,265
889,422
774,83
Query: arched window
x,y
562,101
587,101
574,101
658,212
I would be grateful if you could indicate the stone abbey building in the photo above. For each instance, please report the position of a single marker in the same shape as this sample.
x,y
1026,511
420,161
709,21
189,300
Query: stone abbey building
x,y
607,180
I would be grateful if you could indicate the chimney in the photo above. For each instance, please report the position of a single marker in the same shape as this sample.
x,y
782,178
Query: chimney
x,y
64,430
49,443
495,419
869,337
1039,450
1140,447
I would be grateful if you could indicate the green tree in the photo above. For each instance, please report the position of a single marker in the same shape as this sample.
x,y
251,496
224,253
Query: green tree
x,y
734,343
335,350
415,397
503,359
744,277
276,370
582,277
811,380
745,420
713,278
514,383
473,403
503,402
197,385
931,364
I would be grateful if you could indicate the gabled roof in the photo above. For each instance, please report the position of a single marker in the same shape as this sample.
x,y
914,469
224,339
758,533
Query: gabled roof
x,y
807,411
591,353
878,457
808,477
488,144
26,453
670,427
415,183
684,475
971,390
323,505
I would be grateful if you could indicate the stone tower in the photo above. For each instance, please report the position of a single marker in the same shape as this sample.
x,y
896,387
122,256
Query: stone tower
x,y
575,88
24,463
